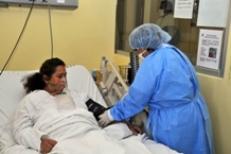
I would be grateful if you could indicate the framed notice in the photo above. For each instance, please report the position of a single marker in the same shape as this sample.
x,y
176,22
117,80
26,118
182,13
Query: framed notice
x,y
209,48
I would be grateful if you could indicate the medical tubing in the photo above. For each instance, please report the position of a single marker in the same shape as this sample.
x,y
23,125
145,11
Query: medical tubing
x,y
19,38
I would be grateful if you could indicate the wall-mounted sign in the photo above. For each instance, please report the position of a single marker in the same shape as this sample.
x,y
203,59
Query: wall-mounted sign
x,y
209,48
183,9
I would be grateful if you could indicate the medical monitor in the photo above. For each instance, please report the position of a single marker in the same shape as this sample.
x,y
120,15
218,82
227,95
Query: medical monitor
x,y
69,4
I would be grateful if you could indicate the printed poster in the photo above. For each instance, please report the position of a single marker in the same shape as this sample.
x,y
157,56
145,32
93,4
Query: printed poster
x,y
209,48
183,9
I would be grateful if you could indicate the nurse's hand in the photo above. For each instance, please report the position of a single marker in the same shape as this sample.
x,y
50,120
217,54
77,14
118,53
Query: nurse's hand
x,y
104,120
135,129
47,144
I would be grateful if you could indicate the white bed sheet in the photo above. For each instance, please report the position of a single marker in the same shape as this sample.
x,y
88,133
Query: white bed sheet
x,y
79,78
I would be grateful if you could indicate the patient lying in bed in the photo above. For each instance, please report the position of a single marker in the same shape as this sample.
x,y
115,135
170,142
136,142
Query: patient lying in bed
x,y
65,122
52,119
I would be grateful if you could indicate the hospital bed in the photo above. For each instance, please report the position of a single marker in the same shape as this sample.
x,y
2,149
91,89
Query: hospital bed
x,y
80,79
113,87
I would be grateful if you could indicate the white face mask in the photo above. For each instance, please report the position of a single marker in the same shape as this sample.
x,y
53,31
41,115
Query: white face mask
x,y
141,58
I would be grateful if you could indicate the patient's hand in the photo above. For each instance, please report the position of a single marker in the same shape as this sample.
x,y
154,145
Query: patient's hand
x,y
47,145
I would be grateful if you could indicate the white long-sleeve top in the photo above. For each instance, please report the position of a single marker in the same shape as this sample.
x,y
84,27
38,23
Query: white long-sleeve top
x,y
36,107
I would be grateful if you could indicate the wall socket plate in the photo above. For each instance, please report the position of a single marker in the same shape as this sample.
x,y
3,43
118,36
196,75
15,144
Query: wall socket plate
x,y
71,4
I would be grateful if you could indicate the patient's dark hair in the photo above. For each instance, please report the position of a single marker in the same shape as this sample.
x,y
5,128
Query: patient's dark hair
x,y
36,81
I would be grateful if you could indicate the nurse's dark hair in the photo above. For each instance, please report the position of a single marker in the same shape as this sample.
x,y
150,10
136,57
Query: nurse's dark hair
x,y
36,81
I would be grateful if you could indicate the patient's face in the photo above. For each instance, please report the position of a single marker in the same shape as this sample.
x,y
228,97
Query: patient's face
x,y
58,81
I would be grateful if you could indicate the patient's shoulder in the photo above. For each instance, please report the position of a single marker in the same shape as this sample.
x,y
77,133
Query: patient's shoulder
x,y
38,93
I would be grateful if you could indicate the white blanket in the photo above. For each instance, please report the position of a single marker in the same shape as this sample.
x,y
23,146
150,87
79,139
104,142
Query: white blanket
x,y
76,130
79,133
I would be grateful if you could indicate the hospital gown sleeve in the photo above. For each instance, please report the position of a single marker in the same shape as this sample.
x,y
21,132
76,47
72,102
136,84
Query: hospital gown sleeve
x,y
23,126
141,90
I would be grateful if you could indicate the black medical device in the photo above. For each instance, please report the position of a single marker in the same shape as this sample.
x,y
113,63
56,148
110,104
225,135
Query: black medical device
x,y
95,108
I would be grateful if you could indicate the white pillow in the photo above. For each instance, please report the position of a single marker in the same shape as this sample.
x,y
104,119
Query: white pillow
x,y
11,92
6,138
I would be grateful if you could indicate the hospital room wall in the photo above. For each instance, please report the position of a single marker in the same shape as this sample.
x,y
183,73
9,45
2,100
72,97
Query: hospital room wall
x,y
81,36
217,92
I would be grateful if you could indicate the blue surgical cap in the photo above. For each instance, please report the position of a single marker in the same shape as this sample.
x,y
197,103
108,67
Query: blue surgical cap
x,y
148,36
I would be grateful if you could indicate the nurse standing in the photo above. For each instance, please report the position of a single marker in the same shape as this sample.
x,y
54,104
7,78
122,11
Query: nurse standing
x,y
166,83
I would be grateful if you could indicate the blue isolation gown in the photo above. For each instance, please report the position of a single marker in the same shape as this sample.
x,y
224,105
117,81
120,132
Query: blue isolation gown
x,y
166,83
